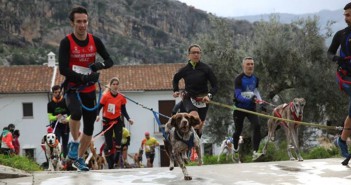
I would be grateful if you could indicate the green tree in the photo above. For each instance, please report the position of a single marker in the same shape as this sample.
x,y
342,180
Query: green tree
x,y
220,49
290,62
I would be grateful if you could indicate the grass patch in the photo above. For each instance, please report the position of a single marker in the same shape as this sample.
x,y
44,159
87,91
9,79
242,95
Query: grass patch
x,y
321,153
19,162
275,152
212,159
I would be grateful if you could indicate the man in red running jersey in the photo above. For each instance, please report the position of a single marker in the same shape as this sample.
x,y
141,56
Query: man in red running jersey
x,y
77,54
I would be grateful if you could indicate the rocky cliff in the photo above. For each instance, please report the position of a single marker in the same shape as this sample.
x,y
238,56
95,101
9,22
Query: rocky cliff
x,y
134,31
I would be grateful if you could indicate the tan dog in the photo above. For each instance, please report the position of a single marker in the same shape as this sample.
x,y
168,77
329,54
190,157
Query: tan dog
x,y
228,147
291,111
53,152
101,162
137,157
182,137
91,157
325,143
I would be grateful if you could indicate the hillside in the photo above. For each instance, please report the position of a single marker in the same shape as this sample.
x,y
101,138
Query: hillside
x,y
134,31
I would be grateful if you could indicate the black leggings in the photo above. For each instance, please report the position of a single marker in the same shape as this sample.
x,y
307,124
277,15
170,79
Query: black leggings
x,y
151,156
76,110
64,134
117,129
239,117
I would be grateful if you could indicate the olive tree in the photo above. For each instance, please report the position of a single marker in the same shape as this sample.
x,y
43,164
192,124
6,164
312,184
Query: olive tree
x,y
290,60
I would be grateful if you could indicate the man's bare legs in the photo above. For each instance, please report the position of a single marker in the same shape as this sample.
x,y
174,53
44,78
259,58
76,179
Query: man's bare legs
x,y
346,132
74,126
77,149
73,146
84,144
84,140
341,141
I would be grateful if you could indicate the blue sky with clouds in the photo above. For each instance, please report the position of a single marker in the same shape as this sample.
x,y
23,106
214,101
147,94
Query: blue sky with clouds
x,y
233,8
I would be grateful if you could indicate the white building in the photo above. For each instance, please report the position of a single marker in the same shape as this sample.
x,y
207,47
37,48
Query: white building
x,y
25,92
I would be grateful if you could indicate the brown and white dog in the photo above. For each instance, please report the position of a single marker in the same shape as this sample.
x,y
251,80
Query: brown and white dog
x,y
91,157
228,147
291,111
182,137
53,152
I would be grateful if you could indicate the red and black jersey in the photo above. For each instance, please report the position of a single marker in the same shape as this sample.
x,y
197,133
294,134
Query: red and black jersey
x,y
82,56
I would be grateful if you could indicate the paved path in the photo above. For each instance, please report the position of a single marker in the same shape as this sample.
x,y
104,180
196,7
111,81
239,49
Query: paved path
x,y
320,171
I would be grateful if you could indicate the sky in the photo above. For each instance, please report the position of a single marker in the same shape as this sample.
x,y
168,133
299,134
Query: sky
x,y
235,8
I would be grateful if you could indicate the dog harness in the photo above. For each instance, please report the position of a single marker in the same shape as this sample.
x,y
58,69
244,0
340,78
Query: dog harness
x,y
228,143
189,143
292,111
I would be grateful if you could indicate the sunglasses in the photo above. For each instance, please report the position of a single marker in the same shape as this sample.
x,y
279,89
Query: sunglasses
x,y
195,52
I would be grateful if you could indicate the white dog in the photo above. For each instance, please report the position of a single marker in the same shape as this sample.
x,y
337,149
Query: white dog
x,y
53,152
228,147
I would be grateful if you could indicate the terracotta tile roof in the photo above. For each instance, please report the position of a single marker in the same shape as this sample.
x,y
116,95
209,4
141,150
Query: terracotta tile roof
x,y
149,77
25,79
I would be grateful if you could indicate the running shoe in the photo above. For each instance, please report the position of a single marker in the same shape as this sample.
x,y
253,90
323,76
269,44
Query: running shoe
x,y
80,165
73,150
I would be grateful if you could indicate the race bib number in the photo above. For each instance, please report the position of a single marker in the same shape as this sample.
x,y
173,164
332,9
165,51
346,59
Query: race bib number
x,y
247,94
81,70
111,108
198,104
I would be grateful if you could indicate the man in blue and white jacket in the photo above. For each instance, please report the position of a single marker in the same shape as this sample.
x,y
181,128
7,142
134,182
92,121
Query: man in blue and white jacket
x,y
246,95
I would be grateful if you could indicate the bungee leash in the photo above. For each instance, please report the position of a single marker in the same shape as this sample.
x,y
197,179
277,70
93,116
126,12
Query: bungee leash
x,y
53,131
98,101
154,113
79,88
233,107
104,131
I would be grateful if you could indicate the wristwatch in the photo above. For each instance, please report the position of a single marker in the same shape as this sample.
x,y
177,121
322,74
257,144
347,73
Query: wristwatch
x,y
209,95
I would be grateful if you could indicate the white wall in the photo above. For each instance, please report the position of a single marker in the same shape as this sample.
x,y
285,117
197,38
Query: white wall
x,y
31,129
144,118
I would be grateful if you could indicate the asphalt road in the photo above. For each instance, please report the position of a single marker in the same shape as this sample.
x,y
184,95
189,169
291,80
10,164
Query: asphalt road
x,y
320,171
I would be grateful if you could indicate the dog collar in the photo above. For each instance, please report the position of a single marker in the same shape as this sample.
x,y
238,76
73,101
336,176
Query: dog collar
x,y
54,145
